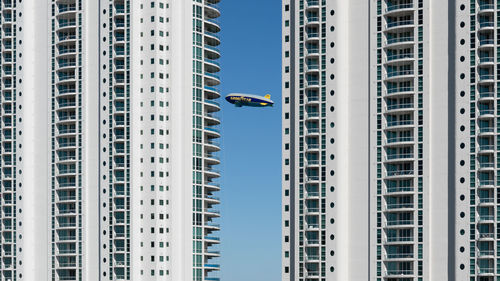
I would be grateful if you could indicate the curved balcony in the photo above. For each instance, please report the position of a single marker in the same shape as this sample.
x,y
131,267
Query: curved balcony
x,y
401,157
212,26
482,271
211,93
312,131
211,11
211,146
401,190
212,132
398,59
312,68
485,8
486,113
399,141
212,106
486,96
486,78
486,148
311,36
399,256
211,52
211,79
401,24
400,124
486,201
398,8
399,273
312,100
211,119
486,219
212,66
399,207
400,107
486,61
399,75
400,174
312,116
212,186
486,131
486,184
486,43
211,173
312,52
211,39
312,147
312,21
312,179
486,166
486,236
486,25
399,41
212,240
312,4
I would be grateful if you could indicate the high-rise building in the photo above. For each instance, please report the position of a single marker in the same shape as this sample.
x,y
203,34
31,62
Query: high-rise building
x,y
390,140
109,140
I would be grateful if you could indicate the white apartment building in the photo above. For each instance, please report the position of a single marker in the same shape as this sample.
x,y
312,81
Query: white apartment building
x,y
390,140
108,140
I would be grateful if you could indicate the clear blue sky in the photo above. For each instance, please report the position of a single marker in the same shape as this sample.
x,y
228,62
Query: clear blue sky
x,y
251,194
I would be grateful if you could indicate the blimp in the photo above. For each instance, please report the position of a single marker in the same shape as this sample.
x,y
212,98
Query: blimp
x,y
240,100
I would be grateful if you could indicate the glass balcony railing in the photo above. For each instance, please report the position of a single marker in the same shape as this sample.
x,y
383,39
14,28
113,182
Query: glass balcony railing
x,y
399,189
400,73
399,272
399,23
391,8
400,173
399,40
399,123
399,239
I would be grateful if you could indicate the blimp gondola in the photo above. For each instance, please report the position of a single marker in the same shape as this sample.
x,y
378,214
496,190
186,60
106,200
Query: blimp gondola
x,y
240,100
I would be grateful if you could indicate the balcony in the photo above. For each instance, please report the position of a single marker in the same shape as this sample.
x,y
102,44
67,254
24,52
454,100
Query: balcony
x,y
399,272
486,42
395,239
393,75
398,206
486,25
400,123
400,57
399,256
399,222
399,24
398,8
486,218
399,40
399,157
400,189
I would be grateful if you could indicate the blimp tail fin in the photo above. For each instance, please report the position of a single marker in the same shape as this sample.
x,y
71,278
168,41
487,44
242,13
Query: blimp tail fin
x,y
268,97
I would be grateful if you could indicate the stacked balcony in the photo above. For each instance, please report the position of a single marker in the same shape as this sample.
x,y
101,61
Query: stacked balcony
x,y
66,213
399,123
211,134
311,69
485,164
120,207
7,156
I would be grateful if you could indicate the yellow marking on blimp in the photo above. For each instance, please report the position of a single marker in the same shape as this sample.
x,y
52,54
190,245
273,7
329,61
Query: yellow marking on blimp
x,y
240,99
268,97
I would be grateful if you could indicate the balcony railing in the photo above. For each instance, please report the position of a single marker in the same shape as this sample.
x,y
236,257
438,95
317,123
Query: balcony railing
x,y
399,222
399,23
399,73
399,40
391,8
